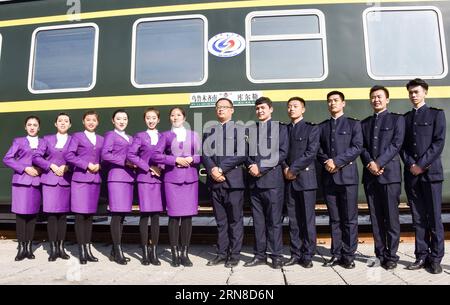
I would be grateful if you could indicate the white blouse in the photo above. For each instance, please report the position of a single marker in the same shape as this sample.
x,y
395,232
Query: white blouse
x,y
180,132
91,137
153,136
61,140
33,141
122,134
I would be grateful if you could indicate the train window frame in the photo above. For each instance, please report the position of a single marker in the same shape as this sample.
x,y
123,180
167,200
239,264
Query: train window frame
x,y
322,35
1,40
405,8
170,18
33,57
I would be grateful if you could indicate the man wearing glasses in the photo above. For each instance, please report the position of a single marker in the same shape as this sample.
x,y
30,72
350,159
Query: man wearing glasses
x,y
222,158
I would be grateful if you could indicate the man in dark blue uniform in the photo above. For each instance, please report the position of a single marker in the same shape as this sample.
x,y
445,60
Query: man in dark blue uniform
x,y
383,135
421,155
268,149
223,156
300,173
341,143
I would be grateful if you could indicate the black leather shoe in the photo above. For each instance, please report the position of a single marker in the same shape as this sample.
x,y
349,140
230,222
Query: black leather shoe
x,y
21,251
435,268
292,261
154,255
418,264
348,264
61,250
277,263
82,254
216,261
53,252
334,260
175,257
184,257
118,255
256,262
145,255
306,263
90,257
389,265
232,262
29,249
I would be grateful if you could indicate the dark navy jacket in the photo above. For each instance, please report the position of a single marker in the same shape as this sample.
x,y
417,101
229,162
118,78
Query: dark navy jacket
x,y
217,152
424,142
383,138
341,141
303,147
260,140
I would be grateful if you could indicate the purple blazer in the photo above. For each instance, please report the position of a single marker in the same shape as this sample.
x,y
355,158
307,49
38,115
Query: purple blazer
x,y
79,153
46,155
18,157
173,149
114,153
142,154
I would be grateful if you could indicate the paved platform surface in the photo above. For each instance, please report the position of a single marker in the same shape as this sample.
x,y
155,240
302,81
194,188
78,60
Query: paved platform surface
x,y
40,271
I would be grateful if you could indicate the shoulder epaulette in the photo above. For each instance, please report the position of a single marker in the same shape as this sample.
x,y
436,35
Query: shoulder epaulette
x,y
354,119
437,109
311,123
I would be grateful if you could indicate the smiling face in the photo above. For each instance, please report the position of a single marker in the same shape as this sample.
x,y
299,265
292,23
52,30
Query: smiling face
x,y
90,122
63,124
32,127
224,110
335,104
263,112
120,121
379,101
177,118
151,120
417,95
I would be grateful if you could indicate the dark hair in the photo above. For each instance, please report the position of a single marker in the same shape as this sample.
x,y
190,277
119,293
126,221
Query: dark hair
x,y
119,111
334,92
63,113
263,100
296,98
149,109
417,82
30,117
179,108
224,99
376,88
91,112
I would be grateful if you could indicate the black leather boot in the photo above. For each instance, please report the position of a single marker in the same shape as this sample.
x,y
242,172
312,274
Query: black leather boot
x,y
61,251
53,252
145,255
118,255
82,254
21,251
175,257
30,254
90,257
184,258
113,253
154,256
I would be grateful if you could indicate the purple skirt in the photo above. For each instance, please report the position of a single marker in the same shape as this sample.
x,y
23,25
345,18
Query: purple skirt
x,y
120,195
84,197
150,197
26,199
56,198
181,199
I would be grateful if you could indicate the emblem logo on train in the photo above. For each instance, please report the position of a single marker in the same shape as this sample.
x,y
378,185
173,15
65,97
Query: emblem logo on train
x,y
226,44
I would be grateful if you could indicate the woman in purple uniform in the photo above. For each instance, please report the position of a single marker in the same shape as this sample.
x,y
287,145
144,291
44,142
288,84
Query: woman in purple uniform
x,y
55,182
84,155
120,179
142,153
26,193
181,158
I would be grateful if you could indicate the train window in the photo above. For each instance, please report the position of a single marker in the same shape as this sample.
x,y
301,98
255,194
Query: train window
x,y
169,51
286,46
63,58
0,46
404,42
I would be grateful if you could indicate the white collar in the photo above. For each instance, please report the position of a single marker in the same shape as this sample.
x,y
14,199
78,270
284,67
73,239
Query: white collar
x,y
91,136
33,141
122,134
61,140
180,133
153,136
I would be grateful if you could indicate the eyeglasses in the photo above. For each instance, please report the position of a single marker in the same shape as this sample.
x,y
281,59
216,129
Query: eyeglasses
x,y
223,107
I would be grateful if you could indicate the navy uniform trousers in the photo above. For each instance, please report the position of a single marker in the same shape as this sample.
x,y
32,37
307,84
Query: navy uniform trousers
x,y
383,135
228,196
341,140
267,191
301,192
423,145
